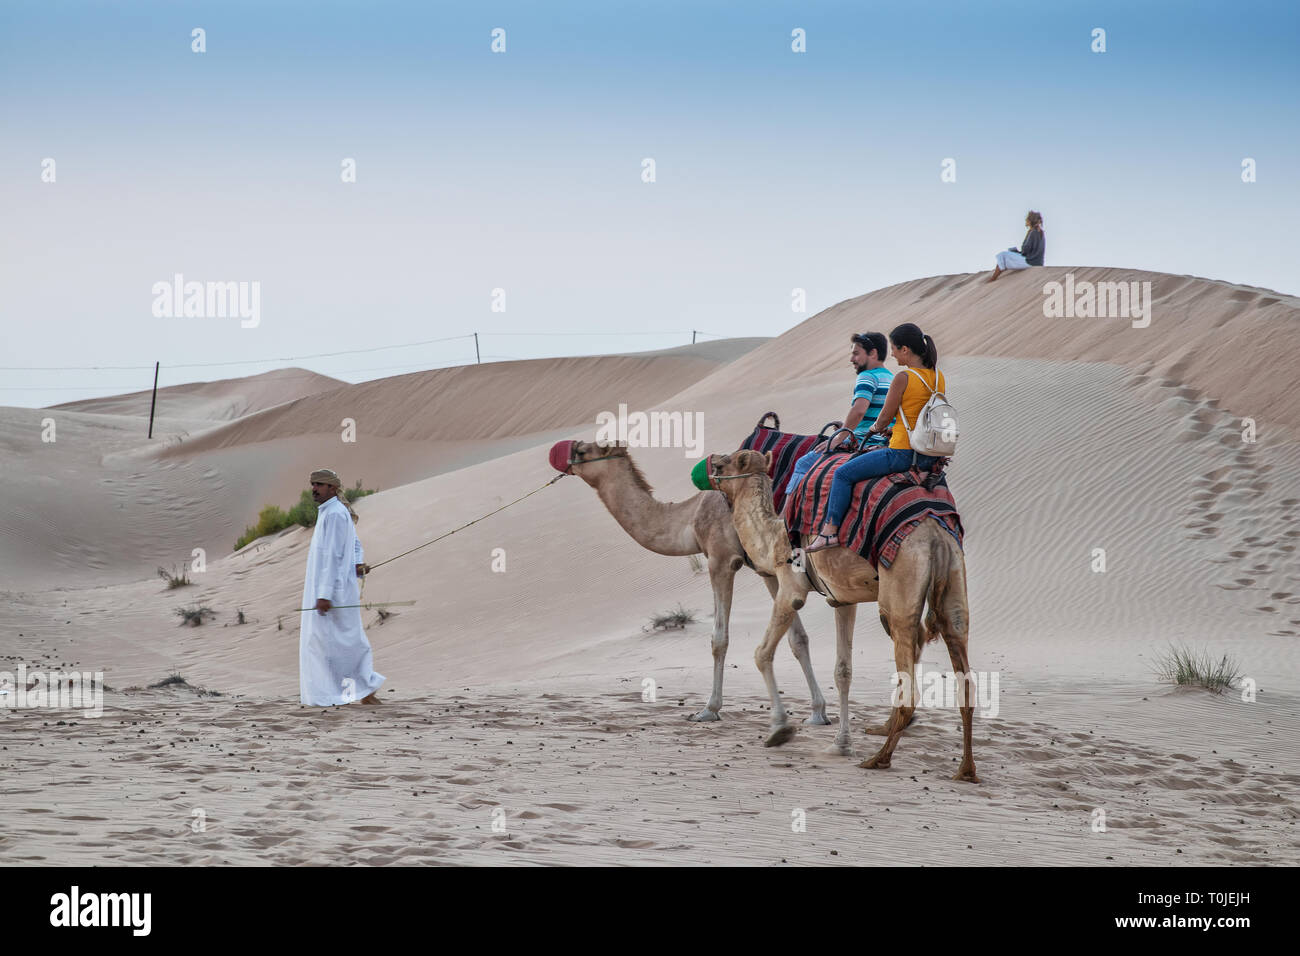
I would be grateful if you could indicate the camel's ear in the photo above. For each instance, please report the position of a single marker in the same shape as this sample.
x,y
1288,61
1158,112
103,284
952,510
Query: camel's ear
x,y
767,461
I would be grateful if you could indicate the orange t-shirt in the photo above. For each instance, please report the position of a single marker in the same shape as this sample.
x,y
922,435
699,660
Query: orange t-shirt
x,y
914,398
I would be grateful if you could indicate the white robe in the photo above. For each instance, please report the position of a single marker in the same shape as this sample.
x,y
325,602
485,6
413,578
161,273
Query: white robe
x,y
334,662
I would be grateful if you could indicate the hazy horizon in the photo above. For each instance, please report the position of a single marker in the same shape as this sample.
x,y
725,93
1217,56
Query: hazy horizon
x,y
523,170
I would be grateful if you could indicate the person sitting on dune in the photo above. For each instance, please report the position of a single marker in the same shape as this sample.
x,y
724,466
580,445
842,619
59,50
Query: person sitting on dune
x,y
1030,252
907,395
869,390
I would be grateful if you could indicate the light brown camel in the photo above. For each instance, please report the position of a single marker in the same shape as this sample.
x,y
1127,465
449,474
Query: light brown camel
x,y
929,568
699,525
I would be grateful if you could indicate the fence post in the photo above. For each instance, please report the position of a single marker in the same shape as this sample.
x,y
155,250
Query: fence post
x,y
154,401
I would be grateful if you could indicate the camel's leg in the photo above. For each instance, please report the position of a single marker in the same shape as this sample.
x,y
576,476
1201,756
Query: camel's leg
x,y
882,730
844,618
905,654
723,578
799,644
782,613
966,689
954,624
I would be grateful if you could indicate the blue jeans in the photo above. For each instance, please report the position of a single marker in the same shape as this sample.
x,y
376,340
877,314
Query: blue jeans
x,y
801,468
804,466
873,464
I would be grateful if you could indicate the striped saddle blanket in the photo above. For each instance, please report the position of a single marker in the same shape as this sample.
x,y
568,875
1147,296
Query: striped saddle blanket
x,y
882,513
786,449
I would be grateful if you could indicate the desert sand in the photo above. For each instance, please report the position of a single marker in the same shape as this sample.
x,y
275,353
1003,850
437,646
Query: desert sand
x,y
514,729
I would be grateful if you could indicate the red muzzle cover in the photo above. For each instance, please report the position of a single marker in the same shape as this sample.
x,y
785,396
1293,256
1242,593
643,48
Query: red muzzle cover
x,y
559,456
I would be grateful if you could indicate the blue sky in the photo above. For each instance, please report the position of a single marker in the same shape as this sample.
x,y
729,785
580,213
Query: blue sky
x,y
522,170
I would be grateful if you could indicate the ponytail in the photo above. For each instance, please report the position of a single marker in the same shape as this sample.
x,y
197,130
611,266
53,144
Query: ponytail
x,y
909,335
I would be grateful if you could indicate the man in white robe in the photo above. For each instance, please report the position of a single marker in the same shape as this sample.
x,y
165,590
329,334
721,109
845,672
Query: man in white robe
x,y
334,658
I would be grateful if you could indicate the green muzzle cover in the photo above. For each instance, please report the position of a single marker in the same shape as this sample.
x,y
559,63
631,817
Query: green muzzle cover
x,y
700,474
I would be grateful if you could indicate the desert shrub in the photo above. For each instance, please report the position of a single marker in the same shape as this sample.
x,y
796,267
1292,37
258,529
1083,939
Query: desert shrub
x,y
176,680
356,491
303,512
1190,668
273,518
194,615
672,620
173,579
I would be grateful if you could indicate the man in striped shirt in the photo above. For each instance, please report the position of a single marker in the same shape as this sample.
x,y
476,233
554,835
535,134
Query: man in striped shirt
x,y
868,360
868,357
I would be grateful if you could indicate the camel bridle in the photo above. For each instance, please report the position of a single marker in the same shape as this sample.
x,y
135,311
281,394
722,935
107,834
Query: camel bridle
x,y
576,461
715,477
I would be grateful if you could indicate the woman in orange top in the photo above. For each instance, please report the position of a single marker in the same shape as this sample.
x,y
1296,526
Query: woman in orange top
x,y
908,393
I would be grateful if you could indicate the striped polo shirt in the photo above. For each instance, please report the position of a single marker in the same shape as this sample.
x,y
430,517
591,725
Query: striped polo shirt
x,y
873,385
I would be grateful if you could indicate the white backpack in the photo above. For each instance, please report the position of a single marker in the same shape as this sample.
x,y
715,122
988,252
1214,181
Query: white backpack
x,y
936,426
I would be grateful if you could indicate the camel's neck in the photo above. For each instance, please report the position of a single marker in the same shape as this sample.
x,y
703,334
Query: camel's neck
x,y
761,531
664,528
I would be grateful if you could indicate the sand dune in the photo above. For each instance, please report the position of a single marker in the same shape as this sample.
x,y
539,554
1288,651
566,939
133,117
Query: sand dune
x,y
223,400
200,483
1230,343
470,402
520,690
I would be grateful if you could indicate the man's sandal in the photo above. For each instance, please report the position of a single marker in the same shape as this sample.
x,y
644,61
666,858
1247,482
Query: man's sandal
x,y
814,546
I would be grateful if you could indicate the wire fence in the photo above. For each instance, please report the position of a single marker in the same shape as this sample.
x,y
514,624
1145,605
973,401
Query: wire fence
x,y
133,387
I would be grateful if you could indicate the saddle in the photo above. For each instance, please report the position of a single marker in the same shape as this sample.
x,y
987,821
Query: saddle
x,y
882,512
786,449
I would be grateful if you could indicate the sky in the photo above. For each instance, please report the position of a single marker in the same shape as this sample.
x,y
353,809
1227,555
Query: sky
x,y
524,170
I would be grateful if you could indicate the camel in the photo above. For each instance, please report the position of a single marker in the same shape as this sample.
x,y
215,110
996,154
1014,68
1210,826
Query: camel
x,y
700,524
929,567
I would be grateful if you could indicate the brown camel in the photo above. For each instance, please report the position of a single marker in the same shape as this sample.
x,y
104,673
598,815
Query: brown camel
x,y
700,524
929,567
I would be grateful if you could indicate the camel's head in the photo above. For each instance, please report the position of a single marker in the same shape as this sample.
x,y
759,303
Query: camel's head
x,y
565,455
726,471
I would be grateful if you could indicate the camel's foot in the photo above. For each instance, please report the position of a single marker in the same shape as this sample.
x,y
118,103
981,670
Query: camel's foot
x,y
779,736
877,762
705,715
966,773
818,719
371,699
841,748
